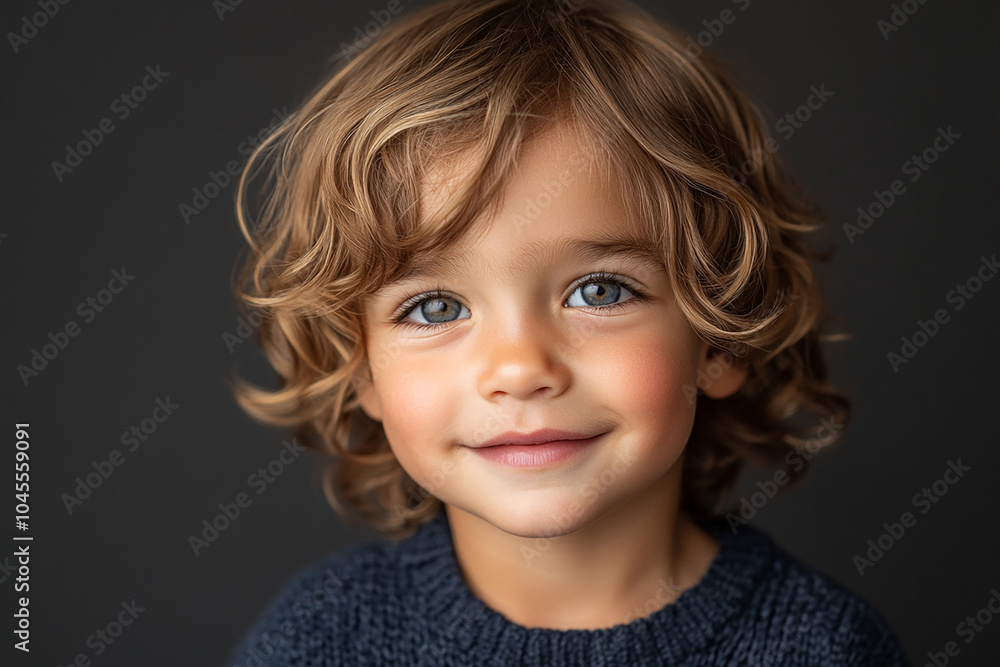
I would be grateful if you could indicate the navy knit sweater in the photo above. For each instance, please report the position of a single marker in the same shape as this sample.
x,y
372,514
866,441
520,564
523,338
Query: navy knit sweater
x,y
405,603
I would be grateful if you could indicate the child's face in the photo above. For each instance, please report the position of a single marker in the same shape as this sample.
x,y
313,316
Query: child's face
x,y
518,344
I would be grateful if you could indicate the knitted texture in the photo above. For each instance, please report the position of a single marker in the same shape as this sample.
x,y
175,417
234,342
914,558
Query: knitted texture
x,y
405,603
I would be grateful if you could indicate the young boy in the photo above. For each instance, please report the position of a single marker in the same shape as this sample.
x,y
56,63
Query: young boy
x,y
529,271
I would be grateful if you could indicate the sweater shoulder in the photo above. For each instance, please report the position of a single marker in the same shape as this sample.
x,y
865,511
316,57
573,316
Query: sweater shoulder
x,y
817,618
315,614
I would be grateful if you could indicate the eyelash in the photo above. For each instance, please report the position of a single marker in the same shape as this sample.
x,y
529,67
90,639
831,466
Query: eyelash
x,y
412,301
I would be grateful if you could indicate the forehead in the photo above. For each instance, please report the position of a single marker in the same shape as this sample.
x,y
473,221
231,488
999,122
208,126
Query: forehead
x,y
553,154
561,201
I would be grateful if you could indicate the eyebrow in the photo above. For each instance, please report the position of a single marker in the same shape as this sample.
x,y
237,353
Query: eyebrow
x,y
586,250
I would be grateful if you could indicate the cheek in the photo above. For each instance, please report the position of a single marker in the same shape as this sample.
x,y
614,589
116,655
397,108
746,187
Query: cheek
x,y
649,381
415,408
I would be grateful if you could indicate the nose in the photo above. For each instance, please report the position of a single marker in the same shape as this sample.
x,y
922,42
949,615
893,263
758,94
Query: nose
x,y
522,359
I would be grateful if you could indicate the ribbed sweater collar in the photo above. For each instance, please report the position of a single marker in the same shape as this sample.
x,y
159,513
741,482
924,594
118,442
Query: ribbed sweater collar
x,y
676,631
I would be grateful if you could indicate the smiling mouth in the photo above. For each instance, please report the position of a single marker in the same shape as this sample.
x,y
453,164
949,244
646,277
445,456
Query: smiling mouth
x,y
545,436
537,454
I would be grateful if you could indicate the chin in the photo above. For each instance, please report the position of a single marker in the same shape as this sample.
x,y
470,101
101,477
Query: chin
x,y
540,515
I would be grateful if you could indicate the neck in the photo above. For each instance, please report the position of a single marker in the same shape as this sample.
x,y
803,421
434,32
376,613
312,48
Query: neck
x,y
625,565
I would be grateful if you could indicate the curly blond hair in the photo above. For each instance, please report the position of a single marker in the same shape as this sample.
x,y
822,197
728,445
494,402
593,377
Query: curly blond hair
x,y
337,217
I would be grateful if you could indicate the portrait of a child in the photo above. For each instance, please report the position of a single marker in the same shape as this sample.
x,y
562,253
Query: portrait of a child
x,y
530,273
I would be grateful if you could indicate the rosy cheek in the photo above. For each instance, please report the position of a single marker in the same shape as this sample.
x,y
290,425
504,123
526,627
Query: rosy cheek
x,y
415,401
652,377
411,397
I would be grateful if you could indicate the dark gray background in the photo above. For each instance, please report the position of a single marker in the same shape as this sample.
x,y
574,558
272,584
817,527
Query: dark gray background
x,y
162,336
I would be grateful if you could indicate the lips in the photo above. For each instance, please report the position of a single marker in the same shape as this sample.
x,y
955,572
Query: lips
x,y
544,454
539,437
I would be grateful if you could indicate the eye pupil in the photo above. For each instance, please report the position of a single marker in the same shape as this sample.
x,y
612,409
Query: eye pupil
x,y
435,307
601,292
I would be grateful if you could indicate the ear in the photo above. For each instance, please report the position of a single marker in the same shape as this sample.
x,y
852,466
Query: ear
x,y
720,372
367,396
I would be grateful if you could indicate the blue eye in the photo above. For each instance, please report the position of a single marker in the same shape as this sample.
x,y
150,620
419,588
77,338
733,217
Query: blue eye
x,y
435,307
605,292
600,291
